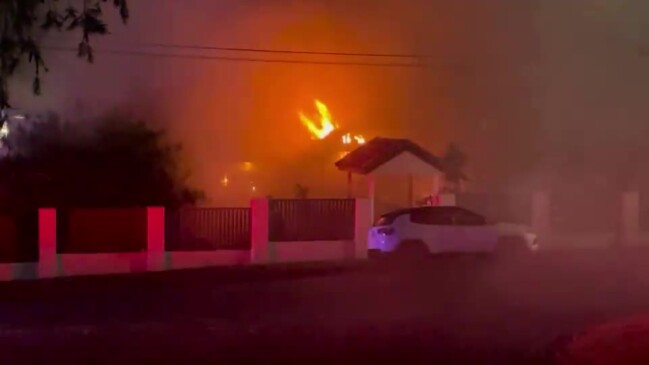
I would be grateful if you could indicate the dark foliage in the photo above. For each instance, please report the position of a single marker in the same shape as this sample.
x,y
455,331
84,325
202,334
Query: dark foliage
x,y
454,161
119,162
22,20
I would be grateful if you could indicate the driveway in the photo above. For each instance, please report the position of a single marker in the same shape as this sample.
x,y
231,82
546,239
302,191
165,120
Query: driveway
x,y
455,310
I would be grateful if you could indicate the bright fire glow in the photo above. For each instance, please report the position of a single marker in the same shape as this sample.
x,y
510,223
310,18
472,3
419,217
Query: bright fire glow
x,y
4,131
324,126
247,166
348,139
225,181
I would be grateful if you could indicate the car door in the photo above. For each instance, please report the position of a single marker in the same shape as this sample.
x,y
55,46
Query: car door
x,y
431,226
471,232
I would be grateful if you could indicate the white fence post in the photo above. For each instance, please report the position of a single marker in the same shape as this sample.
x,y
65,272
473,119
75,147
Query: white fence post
x,y
155,251
362,223
261,250
49,265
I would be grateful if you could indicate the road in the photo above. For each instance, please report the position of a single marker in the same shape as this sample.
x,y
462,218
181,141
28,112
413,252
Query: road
x,y
455,310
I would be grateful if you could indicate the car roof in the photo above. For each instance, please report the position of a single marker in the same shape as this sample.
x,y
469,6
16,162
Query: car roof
x,y
419,209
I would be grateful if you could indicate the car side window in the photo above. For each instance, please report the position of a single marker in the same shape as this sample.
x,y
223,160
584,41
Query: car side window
x,y
464,217
435,217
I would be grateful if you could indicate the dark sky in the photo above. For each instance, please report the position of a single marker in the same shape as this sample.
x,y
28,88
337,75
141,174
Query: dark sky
x,y
519,84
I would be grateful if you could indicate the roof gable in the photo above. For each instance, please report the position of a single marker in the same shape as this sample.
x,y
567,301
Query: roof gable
x,y
377,152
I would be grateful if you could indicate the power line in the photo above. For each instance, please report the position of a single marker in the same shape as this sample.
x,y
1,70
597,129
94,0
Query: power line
x,y
280,51
274,51
242,59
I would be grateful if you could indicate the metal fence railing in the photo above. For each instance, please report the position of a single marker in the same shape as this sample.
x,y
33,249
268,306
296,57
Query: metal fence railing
x,y
207,229
293,220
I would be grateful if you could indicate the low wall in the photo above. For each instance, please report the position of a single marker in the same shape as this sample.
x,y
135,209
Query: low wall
x,y
188,260
311,251
265,251
6,272
98,264
575,240
19,271
560,241
149,226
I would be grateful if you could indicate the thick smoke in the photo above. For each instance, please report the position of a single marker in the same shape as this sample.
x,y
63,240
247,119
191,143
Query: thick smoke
x,y
530,89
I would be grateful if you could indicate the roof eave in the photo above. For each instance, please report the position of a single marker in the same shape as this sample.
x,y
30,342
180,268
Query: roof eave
x,y
353,170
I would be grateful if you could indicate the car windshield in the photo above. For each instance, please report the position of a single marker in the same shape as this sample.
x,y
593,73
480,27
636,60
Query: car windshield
x,y
388,218
383,221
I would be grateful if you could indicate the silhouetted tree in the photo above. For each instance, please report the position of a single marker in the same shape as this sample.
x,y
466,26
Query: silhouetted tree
x,y
118,162
22,20
454,160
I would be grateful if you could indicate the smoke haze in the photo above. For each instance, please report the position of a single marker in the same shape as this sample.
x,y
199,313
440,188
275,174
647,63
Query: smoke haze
x,y
525,87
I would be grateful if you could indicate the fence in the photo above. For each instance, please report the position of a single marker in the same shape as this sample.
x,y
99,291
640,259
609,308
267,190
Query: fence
x,y
584,211
311,220
207,229
108,241
114,230
19,237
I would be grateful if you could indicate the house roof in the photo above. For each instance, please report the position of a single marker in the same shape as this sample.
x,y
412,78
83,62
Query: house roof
x,y
378,151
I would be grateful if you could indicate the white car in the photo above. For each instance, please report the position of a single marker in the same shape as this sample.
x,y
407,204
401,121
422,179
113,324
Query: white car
x,y
435,230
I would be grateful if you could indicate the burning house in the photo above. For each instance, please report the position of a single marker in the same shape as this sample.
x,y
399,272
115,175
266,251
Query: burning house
x,y
316,172
312,169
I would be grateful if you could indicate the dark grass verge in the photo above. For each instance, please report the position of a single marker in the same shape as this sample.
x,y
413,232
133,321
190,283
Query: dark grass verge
x,y
28,290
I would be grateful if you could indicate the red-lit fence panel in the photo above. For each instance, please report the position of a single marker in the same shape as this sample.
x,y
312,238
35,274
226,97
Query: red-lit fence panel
x,y
103,230
19,237
207,229
293,220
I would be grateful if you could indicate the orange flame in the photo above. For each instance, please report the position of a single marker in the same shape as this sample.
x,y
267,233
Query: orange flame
x,y
348,139
322,128
325,126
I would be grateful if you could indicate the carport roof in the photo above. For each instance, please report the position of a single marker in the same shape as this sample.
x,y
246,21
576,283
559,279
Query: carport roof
x,y
378,151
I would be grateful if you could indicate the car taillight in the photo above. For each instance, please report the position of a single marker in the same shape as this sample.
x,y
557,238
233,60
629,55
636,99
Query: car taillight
x,y
386,231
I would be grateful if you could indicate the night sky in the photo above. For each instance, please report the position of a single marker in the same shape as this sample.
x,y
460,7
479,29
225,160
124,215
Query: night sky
x,y
526,87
